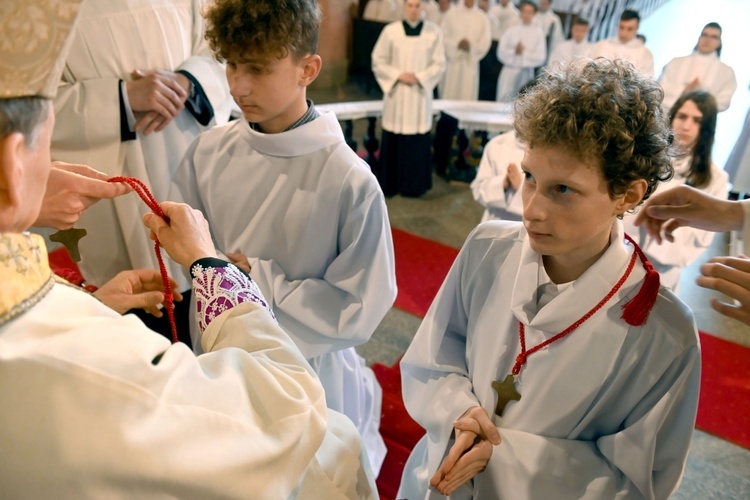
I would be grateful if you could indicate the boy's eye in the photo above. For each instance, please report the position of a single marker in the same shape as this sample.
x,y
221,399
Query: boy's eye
x,y
562,189
527,176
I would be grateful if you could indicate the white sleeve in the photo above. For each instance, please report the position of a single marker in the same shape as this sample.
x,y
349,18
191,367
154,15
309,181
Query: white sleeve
x,y
488,186
343,308
535,55
726,83
430,76
506,49
385,74
670,84
483,40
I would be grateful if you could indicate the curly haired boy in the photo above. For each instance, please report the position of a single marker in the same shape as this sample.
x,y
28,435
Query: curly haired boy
x,y
552,364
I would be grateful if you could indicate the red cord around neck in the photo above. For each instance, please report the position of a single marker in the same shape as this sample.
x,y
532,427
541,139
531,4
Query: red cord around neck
x,y
149,199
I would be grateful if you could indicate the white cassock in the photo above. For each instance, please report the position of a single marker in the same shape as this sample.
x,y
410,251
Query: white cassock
x,y
552,27
114,38
689,243
407,109
487,186
99,406
633,51
714,76
508,16
566,52
383,11
311,218
461,80
518,69
606,412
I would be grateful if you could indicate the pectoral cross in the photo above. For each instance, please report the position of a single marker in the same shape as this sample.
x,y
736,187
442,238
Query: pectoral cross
x,y
506,392
69,239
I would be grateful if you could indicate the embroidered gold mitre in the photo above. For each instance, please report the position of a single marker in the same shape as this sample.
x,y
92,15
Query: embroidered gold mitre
x,y
34,43
24,273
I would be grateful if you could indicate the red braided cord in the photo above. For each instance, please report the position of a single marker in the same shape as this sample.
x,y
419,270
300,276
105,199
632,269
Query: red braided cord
x,y
521,358
149,199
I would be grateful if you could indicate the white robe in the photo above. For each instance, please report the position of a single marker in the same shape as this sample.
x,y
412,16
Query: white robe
x,y
606,412
508,16
551,24
407,109
112,39
382,11
90,413
566,52
518,69
487,186
689,243
633,51
715,77
312,220
461,80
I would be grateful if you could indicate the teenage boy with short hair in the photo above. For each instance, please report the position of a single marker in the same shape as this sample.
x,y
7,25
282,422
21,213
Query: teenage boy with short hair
x,y
282,187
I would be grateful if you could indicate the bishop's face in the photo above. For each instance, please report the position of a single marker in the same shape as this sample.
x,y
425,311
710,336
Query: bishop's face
x,y
567,210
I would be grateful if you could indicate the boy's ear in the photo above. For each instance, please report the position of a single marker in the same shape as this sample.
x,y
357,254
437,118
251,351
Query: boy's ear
x,y
11,169
311,65
633,196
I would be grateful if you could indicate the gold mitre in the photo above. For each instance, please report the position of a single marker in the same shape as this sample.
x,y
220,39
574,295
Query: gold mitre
x,y
34,42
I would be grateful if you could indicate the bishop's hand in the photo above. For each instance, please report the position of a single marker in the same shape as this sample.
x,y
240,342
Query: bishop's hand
x,y
186,237
137,289
475,437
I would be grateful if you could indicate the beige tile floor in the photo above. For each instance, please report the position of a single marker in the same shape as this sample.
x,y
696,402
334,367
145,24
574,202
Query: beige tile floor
x,y
716,469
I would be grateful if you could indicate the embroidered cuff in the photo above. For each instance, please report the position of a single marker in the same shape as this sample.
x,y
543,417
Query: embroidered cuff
x,y
218,286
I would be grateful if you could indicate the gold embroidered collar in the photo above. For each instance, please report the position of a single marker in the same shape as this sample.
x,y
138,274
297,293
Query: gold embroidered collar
x,y
25,276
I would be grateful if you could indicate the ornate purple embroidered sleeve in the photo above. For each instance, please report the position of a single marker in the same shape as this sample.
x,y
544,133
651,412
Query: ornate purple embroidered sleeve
x,y
218,289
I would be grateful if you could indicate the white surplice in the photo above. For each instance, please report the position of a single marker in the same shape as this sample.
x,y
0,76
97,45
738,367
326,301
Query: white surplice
x,y
689,243
518,69
461,80
114,38
714,76
606,412
508,16
566,52
96,405
312,220
633,51
407,109
487,186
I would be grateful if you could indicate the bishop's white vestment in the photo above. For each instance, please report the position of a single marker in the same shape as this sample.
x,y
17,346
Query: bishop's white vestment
x,y
114,38
461,80
312,220
714,76
488,187
606,412
96,405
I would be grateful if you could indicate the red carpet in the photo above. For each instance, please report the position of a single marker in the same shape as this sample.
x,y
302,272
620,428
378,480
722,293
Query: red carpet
x,y
421,266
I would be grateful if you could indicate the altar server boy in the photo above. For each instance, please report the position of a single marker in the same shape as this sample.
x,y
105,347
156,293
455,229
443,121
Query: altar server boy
x,y
552,364
282,187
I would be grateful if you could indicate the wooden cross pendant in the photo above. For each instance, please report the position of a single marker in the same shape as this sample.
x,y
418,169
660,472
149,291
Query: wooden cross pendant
x,y
69,239
506,392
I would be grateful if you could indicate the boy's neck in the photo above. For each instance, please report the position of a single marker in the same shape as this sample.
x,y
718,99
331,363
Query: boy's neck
x,y
565,270
287,120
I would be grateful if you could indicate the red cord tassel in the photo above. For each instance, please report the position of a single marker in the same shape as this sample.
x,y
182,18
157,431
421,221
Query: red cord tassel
x,y
636,311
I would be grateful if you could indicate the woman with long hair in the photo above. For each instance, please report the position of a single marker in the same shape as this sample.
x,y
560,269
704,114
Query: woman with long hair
x,y
693,119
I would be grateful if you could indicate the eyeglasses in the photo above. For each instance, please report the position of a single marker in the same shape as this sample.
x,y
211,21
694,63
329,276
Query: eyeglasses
x,y
715,37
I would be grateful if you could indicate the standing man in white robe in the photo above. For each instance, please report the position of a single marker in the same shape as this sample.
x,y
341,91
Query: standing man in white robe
x,y
577,47
551,25
305,210
499,178
408,61
595,358
522,49
626,45
467,36
95,403
700,70
437,14
139,85
507,14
